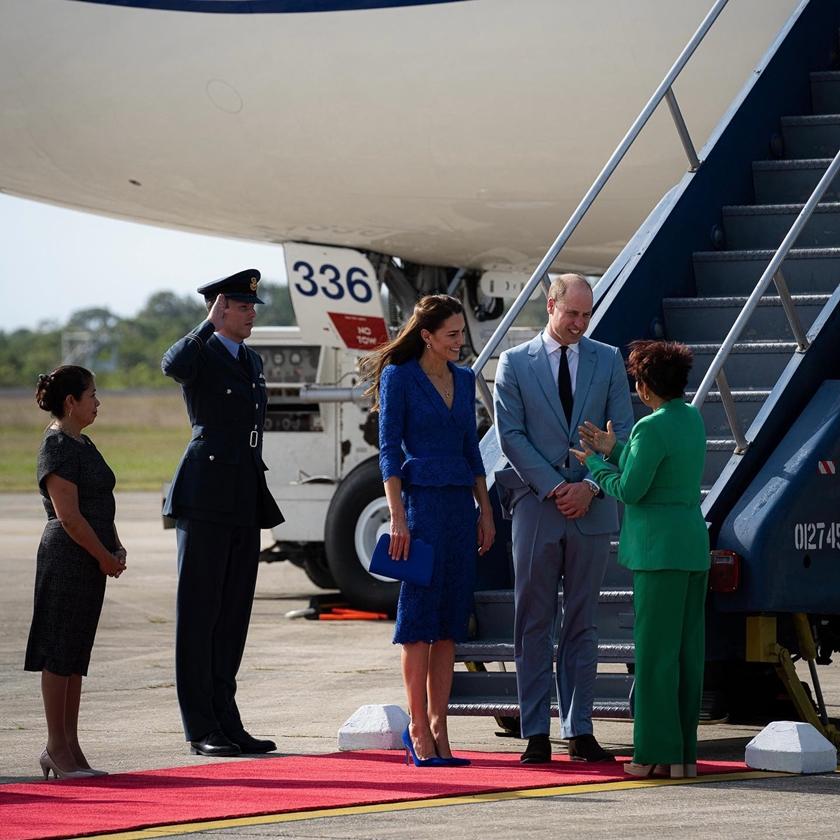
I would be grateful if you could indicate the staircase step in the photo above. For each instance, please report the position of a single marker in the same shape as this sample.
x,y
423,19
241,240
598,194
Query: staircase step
x,y
747,405
494,611
709,319
825,92
791,181
806,271
501,650
750,364
494,693
718,453
812,136
765,225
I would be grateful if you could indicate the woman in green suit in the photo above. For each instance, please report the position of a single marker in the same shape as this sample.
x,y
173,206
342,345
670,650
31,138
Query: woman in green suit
x,y
664,541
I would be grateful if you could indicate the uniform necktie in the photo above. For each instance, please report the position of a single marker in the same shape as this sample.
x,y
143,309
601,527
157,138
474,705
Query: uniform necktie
x,y
564,385
242,357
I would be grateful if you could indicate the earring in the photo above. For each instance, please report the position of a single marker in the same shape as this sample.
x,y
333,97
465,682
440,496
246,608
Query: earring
x,y
428,346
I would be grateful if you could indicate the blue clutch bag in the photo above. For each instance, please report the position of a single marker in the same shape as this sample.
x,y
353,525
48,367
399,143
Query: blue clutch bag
x,y
417,569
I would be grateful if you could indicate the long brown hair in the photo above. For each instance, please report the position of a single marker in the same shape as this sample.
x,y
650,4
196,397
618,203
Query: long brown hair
x,y
429,313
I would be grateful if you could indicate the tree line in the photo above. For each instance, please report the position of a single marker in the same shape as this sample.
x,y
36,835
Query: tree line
x,y
123,352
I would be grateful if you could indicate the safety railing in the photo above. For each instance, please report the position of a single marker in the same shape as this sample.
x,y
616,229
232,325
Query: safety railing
x,y
773,272
664,91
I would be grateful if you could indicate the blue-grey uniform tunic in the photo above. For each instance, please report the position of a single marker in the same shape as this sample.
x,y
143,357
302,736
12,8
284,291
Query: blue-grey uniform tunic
x,y
220,500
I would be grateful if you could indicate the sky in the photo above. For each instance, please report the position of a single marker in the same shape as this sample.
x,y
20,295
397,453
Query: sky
x,y
54,262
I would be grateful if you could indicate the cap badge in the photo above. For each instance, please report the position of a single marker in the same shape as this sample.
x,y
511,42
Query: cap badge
x,y
253,284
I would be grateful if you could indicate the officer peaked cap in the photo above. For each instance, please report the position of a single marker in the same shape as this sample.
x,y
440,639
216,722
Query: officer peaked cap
x,y
240,286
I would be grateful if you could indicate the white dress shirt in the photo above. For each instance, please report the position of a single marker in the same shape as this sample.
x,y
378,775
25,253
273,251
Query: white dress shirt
x,y
552,348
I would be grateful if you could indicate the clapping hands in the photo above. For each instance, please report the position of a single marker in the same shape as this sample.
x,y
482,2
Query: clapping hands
x,y
593,439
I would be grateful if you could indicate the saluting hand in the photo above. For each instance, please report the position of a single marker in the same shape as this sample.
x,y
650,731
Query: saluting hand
x,y
217,312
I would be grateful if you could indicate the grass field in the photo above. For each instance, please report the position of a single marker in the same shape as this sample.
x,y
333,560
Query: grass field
x,y
141,435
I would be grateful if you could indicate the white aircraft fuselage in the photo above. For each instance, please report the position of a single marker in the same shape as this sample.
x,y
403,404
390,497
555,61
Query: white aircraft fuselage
x,y
457,133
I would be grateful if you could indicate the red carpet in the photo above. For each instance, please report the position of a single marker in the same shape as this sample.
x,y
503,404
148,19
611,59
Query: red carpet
x,y
269,786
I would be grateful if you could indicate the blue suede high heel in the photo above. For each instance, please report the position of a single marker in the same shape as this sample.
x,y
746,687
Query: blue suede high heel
x,y
434,761
453,761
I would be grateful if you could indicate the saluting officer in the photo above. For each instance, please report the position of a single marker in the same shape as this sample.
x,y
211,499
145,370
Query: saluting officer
x,y
220,500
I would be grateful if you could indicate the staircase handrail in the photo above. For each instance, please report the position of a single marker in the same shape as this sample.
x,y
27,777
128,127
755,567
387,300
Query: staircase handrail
x,y
663,91
772,272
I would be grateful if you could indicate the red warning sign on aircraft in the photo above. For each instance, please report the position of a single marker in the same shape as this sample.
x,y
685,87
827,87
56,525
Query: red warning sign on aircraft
x,y
827,468
359,332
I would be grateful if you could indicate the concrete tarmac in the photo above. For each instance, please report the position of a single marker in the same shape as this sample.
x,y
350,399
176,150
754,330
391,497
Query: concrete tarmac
x,y
300,680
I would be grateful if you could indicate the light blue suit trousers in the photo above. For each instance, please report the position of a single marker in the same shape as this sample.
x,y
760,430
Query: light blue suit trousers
x,y
550,552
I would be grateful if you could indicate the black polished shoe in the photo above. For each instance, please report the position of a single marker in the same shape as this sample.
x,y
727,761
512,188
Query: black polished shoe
x,y
538,750
586,748
250,745
215,744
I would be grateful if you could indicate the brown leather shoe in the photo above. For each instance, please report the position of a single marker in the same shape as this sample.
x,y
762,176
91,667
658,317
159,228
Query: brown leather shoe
x,y
586,748
538,750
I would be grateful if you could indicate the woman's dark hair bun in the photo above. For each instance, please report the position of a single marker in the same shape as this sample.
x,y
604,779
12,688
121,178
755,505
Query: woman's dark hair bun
x,y
53,388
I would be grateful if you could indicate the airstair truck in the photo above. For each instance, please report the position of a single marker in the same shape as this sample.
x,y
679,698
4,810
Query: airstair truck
x,y
741,261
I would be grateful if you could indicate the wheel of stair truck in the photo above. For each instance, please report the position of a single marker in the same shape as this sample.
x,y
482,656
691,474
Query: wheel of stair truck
x,y
357,516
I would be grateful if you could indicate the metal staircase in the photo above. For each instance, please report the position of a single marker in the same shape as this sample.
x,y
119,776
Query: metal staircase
x,y
741,241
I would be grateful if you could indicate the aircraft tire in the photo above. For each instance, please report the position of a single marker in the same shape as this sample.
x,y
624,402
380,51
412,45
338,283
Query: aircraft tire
x,y
318,572
354,519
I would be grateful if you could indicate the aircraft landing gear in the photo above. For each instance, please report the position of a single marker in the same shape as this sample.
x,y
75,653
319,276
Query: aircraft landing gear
x,y
357,516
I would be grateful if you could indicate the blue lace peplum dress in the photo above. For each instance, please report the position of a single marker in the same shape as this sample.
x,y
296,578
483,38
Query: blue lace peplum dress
x,y
434,450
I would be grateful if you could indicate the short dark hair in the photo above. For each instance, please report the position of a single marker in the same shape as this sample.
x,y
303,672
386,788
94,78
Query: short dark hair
x,y
661,366
53,388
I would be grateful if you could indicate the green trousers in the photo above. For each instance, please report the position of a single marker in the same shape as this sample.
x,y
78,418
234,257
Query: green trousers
x,y
669,631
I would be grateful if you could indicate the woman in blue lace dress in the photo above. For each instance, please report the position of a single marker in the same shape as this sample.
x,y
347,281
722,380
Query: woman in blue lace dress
x,y
433,476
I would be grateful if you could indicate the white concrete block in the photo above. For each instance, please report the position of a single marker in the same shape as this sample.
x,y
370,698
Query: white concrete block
x,y
373,728
791,747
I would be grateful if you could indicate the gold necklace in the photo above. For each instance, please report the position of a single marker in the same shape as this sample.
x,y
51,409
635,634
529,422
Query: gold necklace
x,y
438,379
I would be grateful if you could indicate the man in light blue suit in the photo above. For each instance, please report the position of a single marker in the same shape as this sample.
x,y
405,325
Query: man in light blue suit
x,y
562,522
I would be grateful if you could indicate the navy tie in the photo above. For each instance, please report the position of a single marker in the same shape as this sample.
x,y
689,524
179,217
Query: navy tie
x,y
564,385
242,357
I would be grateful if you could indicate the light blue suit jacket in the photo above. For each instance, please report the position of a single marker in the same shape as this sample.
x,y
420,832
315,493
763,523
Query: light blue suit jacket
x,y
532,428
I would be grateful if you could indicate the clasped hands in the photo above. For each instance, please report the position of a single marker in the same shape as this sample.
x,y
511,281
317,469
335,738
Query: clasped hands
x,y
116,564
574,498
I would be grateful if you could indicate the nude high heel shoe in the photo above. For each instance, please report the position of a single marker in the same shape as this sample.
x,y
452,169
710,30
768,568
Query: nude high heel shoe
x,y
670,771
644,771
641,771
47,764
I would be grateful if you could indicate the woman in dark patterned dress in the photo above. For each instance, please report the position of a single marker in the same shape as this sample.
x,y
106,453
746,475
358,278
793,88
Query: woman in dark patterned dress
x,y
433,476
78,549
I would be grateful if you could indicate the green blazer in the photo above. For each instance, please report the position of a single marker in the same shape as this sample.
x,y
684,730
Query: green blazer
x,y
658,477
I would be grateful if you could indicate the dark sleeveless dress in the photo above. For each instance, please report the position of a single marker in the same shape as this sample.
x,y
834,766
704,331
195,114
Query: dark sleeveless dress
x,y
69,587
